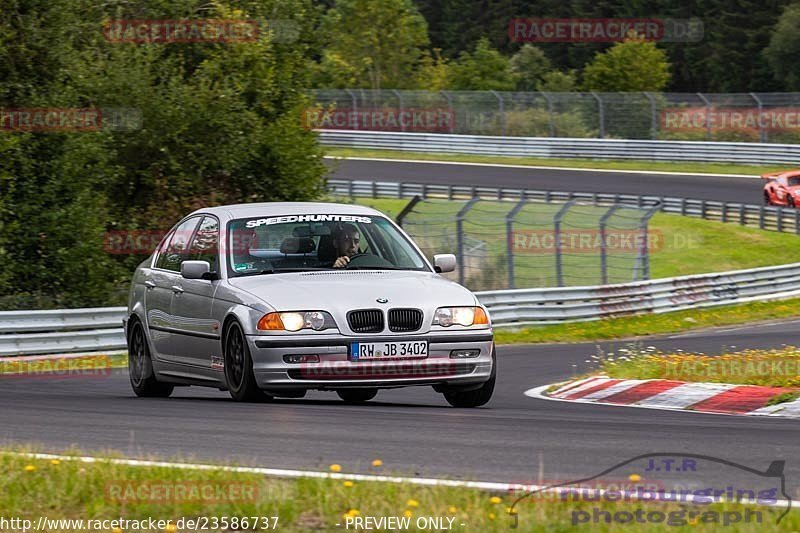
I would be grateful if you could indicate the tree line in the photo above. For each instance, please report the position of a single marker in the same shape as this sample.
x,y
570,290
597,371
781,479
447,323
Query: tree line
x,y
746,46
213,123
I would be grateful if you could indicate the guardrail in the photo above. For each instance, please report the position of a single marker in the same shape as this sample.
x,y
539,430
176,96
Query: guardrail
x,y
579,304
95,329
763,217
507,308
61,331
566,148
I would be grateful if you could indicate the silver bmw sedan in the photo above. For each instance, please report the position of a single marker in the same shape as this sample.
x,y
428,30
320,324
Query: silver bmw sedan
x,y
275,299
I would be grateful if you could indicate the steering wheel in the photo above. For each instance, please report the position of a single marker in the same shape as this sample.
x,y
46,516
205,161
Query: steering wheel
x,y
361,260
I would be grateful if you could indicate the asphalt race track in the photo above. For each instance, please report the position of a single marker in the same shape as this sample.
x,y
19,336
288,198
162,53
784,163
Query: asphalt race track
x,y
412,430
742,190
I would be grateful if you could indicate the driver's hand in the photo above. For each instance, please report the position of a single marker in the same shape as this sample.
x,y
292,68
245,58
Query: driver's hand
x,y
341,262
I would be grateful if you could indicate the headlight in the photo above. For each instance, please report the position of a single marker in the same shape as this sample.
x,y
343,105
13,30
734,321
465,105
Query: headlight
x,y
463,316
296,320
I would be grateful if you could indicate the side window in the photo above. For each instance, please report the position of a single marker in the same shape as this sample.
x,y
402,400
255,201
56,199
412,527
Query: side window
x,y
205,243
162,248
177,249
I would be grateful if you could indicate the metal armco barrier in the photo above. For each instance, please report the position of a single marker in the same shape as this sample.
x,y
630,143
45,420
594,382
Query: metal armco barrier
x,y
507,308
566,148
61,331
756,216
578,304
95,329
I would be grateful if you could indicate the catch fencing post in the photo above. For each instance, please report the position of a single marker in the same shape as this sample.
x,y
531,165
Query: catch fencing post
x,y
708,115
643,257
353,99
407,209
401,105
604,245
501,109
557,240
460,236
762,134
653,121
509,234
551,126
601,119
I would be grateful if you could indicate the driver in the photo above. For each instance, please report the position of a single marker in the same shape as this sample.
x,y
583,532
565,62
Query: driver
x,y
345,239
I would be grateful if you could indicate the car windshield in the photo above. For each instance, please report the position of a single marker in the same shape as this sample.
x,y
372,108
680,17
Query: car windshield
x,y
794,181
269,244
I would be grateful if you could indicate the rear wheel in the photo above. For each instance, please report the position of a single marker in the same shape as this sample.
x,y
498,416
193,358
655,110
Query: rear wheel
x,y
790,202
357,395
767,200
140,366
239,367
477,397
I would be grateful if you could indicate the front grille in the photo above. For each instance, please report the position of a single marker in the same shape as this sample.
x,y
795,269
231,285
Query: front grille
x,y
398,370
405,319
366,320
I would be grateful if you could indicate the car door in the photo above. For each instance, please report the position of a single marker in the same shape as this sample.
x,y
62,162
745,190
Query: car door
x,y
191,305
161,284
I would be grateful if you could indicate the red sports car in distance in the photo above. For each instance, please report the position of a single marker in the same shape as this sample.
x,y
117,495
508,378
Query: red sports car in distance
x,y
782,188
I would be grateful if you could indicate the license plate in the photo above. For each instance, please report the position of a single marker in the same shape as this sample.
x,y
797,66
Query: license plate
x,y
360,351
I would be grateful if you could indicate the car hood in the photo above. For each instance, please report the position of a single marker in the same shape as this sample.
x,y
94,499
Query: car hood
x,y
354,289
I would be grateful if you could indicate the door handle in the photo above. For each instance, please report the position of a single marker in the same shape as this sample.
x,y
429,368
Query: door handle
x,y
149,284
177,289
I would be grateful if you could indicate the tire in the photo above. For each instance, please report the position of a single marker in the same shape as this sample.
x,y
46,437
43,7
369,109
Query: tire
x,y
767,200
477,397
239,367
140,366
790,202
357,395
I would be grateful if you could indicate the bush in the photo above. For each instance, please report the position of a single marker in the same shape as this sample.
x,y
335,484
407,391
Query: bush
x,y
536,123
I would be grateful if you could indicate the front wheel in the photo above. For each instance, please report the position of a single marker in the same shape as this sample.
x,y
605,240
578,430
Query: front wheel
x,y
790,202
767,200
477,397
239,367
357,395
140,366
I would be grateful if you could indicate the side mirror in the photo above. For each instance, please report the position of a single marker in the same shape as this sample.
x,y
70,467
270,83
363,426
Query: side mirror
x,y
196,270
444,263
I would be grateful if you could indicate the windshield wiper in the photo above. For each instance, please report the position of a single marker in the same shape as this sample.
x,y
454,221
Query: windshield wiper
x,y
278,271
374,268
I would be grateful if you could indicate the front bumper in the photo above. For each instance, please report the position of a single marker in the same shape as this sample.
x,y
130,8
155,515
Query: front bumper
x,y
335,370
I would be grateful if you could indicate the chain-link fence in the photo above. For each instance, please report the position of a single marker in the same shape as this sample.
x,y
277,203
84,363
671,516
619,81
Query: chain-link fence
x,y
503,244
753,117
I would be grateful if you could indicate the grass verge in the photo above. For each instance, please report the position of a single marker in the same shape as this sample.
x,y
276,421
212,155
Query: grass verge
x,y
767,368
65,489
645,325
684,167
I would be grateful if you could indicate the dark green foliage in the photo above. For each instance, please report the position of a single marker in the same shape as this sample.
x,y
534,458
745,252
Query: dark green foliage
x,y
218,123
